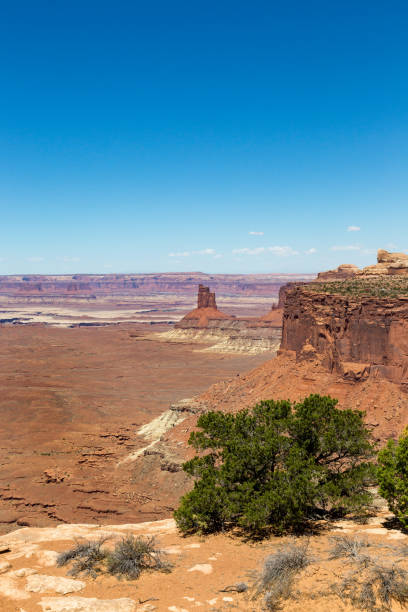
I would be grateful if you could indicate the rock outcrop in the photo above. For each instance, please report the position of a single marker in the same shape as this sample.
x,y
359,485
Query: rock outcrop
x,y
226,332
387,264
339,273
205,298
205,312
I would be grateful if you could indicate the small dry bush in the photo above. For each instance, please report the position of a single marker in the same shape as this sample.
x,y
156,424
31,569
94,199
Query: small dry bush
x,y
376,589
275,581
370,585
86,557
345,547
128,559
133,555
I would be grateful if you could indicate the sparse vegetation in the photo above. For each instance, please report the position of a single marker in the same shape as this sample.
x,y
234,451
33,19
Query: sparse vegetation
x,y
349,548
369,584
275,581
130,556
276,466
133,555
393,476
86,557
375,286
374,587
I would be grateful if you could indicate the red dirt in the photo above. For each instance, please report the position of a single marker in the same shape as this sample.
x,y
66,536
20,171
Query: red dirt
x,y
71,403
284,377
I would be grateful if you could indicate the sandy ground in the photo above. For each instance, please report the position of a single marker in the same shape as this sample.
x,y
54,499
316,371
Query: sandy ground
x,y
202,568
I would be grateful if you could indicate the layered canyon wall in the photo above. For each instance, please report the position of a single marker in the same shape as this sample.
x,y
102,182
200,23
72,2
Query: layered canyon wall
x,y
86,285
355,336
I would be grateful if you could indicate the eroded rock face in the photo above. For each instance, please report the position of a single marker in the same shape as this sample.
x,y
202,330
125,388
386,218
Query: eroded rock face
x,y
205,298
96,285
387,257
354,336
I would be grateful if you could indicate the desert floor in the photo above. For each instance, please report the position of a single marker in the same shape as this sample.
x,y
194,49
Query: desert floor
x,y
71,402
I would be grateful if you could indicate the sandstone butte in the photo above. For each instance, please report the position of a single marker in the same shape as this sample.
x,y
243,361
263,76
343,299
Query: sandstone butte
x,y
205,312
207,323
207,315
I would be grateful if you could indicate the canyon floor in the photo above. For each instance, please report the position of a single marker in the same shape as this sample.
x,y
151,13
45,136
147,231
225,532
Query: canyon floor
x,y
72,400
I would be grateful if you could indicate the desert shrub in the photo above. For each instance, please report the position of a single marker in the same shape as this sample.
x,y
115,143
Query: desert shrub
x,y
276,466
391,584
349,548
393,476
129,557
275,581
376,587
86,557
133,555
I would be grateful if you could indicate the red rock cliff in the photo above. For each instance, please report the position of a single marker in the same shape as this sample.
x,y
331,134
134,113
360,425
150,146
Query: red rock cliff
x,y
355,336
205,298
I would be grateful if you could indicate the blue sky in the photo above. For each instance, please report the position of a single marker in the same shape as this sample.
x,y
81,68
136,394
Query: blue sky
x,y
214,136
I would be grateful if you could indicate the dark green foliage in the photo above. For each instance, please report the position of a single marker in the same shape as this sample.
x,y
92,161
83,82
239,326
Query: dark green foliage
x,y
86,557
133,555
275,466
393,477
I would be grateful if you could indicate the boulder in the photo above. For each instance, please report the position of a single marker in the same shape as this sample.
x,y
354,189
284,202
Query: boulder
x,y
389,258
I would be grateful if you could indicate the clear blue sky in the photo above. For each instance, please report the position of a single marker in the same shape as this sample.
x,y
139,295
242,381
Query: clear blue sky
x,y
156,136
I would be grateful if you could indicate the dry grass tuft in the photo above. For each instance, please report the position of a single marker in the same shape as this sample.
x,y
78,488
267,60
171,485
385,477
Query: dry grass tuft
x,y
128,559
345,547
86,557
133,555
275,581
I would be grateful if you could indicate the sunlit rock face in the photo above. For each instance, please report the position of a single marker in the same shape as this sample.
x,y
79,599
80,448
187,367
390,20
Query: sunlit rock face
x,y
355,335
